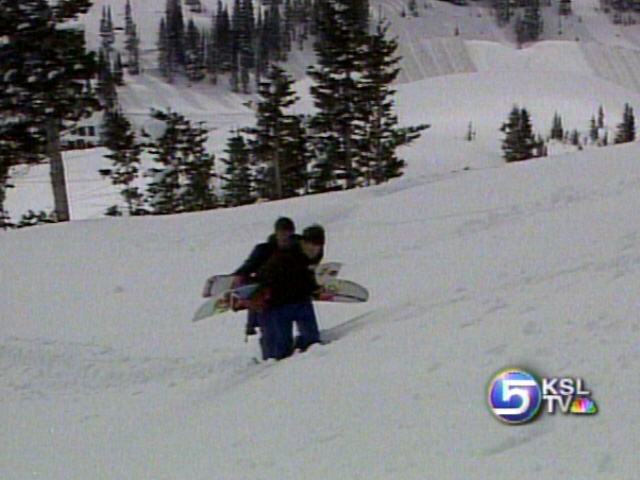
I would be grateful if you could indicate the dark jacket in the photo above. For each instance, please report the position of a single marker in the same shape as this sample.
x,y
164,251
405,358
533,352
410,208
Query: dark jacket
x,y
258,257
262,252
286,278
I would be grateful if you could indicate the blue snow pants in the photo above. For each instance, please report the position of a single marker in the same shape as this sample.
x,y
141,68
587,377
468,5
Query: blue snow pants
x,y
276,325
308,332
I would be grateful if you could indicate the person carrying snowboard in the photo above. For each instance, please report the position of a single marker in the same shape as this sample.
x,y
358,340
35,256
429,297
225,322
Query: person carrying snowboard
x,y
283,238
287,287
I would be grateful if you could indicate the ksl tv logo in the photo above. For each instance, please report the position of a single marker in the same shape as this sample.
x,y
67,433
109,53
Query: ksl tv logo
x,y
516,396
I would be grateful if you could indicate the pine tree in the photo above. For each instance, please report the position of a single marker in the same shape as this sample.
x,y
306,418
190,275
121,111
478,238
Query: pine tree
x,y
236,46
377,134
295,156
529,27
263,53
245,78
107,33
502,10
470,132
527,140
183,183
519,143
510,143
222,38
274,36
277,136
593,130
165,63
106,85
175,31
212,54
119,137
194,53
128,18
600,117
134,52
557,131
237,177
626,131
575,138
118,71
288,25
245,27
339,47
234,81
43,83
306,21
132,42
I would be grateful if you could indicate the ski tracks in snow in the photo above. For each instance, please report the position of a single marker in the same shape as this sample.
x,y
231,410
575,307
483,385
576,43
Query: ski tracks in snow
x,y
43,368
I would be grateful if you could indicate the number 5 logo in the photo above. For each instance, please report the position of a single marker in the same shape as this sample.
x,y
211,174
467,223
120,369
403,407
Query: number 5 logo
x,y
514,396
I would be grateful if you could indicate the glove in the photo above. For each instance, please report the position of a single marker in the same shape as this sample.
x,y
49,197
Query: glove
x,y
234,302
321,293
260,301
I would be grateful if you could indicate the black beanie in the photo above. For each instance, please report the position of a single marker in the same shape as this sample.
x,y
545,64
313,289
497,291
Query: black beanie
x,y
285,223
314,234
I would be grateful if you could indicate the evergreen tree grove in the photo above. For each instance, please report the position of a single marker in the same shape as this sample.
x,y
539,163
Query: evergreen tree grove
x,y
44,83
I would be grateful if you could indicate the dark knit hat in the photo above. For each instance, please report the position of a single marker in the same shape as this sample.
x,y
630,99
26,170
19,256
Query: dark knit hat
x,y
314,234
285,223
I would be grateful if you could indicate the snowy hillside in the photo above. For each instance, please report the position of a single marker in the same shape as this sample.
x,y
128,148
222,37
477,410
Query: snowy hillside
x,y
473,266
103,376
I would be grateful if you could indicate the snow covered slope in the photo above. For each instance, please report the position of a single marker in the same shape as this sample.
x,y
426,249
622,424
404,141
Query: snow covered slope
x,y
473,266
103,376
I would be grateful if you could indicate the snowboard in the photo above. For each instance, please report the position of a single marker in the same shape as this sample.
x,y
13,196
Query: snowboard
x,y
327,270
229,299
217,284
342,291
333,290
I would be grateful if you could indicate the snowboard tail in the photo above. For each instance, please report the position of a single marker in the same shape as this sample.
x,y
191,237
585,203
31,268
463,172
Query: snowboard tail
x,y
343,291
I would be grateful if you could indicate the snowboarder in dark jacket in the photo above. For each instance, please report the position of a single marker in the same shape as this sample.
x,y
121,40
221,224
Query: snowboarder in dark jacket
x,y
281,239
287,286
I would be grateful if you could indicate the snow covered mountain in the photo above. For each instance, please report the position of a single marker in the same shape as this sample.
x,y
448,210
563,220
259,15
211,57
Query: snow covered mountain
x,y
473,266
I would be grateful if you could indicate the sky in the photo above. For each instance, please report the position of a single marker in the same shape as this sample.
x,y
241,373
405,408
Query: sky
x,y
473,266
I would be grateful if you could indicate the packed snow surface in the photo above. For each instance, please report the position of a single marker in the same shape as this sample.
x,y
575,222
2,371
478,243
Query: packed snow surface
x,y
473,266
